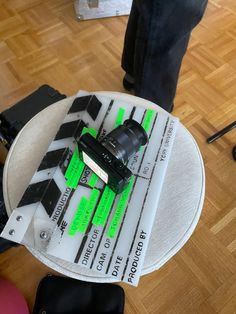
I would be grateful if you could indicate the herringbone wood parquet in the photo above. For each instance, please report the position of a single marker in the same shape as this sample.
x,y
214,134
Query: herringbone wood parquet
x,y
42,42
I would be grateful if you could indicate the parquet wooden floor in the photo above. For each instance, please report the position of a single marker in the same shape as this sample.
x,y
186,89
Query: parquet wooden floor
x,y
42,42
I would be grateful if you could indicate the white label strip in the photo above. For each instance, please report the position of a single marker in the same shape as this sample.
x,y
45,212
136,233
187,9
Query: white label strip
x,y
90,246
136,257
95,167
128,229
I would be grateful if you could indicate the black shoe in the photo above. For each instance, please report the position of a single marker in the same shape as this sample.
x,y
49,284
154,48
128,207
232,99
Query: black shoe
x,y
171,108
129,86
234,153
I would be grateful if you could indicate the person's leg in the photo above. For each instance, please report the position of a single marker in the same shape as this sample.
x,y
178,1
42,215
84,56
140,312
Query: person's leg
x,y
162,36
130,40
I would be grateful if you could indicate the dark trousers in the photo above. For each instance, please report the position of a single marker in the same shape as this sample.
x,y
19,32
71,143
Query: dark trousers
x,y
156,40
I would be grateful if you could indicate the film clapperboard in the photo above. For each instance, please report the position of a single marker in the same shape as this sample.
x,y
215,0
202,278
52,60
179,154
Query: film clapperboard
x,y
68,212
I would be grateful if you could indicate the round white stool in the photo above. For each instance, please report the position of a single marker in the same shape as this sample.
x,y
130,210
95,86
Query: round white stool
x,y
181,198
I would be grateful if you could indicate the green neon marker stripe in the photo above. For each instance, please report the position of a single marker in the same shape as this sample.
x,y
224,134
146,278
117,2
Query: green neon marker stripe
x,y
77,217
90,206
106,205
148,119
73,160
103,204
93,180
75,174
120,117
116,219
91,131
105,214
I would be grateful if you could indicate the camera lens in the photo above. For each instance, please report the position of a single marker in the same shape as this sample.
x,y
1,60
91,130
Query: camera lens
x,y
124,141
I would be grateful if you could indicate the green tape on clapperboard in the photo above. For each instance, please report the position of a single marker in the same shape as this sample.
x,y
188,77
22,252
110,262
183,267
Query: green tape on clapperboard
x,y
87,214
147,122
120,117
91,131
75,174
105,200
108,207
76,165
148,119
116,219
74,157
77,217
93,180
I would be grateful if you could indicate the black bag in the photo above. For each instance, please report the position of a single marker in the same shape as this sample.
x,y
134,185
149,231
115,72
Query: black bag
x,y
63,295
12,121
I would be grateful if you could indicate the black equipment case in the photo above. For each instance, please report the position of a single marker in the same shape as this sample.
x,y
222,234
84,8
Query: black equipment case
x,y
12,121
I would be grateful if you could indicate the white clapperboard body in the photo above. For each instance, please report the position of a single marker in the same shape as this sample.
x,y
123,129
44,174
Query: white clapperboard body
x,y
68,212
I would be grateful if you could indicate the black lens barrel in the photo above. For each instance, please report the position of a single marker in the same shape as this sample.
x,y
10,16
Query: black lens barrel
x,y
124,141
